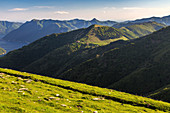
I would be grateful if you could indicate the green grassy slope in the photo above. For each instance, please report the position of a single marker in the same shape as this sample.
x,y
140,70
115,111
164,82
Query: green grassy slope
x,y
142,29
140,67
25,92
2,51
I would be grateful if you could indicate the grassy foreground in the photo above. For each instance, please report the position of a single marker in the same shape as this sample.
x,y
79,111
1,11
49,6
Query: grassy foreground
x,y
25,92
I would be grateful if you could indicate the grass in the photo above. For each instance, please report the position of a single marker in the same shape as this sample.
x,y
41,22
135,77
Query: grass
x,y
25,92
95,40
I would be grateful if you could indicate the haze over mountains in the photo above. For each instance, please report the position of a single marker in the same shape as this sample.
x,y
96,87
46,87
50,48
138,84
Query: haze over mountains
x,y
6,27
35,29
164,20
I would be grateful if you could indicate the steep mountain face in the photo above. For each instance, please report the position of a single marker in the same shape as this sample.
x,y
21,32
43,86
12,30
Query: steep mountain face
x,y
164,20
140,67
6,27
35,29
2,51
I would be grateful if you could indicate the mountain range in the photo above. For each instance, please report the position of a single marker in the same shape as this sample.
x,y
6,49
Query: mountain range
x,y
35,29
164,20
6,27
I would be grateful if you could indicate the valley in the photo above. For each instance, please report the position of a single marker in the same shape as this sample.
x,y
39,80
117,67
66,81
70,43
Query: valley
x,y
9,46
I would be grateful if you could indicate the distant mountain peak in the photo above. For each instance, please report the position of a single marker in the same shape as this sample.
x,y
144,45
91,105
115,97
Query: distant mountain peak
x,y
35,19
94,19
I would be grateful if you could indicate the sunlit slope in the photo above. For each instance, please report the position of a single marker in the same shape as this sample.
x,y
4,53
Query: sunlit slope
x,y
24,92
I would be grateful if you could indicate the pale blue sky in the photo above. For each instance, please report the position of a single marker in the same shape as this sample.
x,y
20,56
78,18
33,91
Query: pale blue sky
x,y
118,10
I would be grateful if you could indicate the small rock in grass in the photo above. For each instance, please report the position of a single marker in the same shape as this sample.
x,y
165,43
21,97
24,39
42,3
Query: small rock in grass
x,y
19,78
22,85
8,76
14,82
98,99
57,99
63,105
57,95
51,97
28,80
20,91
23,89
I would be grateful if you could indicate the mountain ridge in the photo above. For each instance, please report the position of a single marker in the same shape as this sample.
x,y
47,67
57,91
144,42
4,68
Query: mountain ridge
x,y
6,27
35,29
163,20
